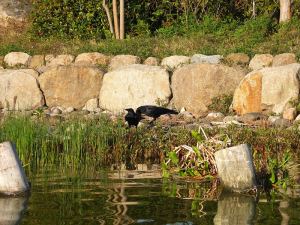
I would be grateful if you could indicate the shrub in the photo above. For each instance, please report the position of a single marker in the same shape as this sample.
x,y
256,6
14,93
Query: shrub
x,y
68,19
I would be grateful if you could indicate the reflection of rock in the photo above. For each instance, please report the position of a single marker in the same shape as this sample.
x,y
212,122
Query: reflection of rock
x,y
141,172
11,210
235,209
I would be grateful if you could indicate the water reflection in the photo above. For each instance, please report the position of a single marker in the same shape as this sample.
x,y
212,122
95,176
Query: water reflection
x,y
235,209
11,209
125,195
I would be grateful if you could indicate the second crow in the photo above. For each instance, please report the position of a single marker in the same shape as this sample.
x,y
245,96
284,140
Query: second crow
x,y
154,111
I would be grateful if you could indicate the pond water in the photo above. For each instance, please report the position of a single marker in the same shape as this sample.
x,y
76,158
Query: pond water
x,y
140,196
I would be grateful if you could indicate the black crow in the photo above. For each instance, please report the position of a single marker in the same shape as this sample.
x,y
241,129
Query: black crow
x,y
154,111
132,118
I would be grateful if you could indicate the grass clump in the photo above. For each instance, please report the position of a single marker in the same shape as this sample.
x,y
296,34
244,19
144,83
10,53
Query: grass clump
x,y
222,104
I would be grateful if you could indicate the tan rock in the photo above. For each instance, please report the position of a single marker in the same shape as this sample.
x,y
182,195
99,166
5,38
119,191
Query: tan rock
x,y
59,60
71,86
43,69
31,72
279,86
290,114
17,58
133,86
36,61
152,61
19,90
247,96
95,58
238,58
175,61
123,60
284,59
260,61
91,105
195,85
267,90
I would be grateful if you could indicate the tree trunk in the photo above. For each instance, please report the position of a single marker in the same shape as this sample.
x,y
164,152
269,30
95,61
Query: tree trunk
x,y
111,28
285,10
116,21
122,20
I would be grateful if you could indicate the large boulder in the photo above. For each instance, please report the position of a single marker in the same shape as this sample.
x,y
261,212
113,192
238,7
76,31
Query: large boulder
x,y
123,60
71,86
267,90
195,85
19,90
133,86
247,96
14,11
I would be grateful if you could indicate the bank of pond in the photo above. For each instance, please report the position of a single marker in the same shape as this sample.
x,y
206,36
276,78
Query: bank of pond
x,y
94,170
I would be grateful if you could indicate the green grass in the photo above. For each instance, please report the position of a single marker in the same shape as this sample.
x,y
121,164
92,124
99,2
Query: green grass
x,y
251,37
78,142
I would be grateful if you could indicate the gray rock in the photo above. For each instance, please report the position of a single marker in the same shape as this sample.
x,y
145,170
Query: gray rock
x,y
14,12
272,119
282,123
253,116
199,58
228,119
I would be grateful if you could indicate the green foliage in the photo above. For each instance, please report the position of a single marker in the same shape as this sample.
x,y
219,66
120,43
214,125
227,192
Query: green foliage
x,y
68,19
296,104
87,18
277,167
221,104
253,32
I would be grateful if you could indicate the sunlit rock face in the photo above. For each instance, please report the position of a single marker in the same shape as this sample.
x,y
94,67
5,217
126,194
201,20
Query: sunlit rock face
x,y
195,85
267,90
133,86
19,90
260,61
71,86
